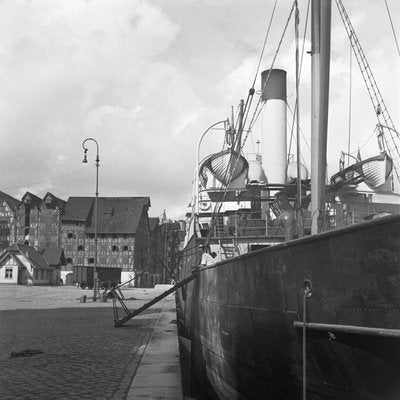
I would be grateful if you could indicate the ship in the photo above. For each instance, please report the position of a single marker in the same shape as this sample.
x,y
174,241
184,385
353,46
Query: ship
x,y
302,299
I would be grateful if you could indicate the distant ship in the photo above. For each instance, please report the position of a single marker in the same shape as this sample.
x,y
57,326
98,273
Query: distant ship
x,y
303,300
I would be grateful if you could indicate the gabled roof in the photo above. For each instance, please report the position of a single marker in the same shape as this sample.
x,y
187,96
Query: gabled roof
x,y
34,257
31,199
11,201
55,201
78,208
54,255
115,214
153,222
6,253
118,214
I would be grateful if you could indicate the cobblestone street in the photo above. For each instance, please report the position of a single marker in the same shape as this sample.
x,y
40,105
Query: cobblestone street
x,y
80,355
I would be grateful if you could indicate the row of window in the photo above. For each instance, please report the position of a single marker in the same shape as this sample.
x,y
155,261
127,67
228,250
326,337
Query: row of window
x,y
102,260
108,238
38,274
113,248
89,260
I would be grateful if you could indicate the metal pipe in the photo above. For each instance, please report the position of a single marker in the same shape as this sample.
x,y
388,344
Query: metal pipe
x,y
349,329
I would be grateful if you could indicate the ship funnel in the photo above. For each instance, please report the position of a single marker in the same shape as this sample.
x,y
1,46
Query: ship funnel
x,y
273,150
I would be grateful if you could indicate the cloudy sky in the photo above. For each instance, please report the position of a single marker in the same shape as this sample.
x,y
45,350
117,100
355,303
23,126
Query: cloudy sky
x,y
146,78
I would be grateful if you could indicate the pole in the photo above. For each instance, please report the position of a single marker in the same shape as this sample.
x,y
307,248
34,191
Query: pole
x,y
299,218
320,56
95,212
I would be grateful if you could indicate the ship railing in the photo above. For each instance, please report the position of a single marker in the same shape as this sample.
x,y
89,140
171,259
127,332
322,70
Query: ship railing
x,y
341,215
240,224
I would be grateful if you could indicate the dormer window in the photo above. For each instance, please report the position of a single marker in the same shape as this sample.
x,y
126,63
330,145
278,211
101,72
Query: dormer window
x,y
109,212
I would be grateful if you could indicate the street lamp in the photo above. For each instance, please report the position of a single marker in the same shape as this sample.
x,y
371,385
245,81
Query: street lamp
x,y
95,212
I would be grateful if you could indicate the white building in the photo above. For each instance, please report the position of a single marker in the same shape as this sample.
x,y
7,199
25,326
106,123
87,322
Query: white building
x,y
21,264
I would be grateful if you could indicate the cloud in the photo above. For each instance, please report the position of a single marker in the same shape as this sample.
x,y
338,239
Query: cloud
x,y
145,79
73,69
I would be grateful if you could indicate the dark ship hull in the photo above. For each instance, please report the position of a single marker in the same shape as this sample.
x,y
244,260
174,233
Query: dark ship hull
x,y
244,317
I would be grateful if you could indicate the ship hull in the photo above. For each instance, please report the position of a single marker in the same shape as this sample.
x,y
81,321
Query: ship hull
x,y
244,317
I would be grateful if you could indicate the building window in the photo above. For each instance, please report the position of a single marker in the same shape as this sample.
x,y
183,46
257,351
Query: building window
x,y
91,260
81,248
115,248
69,261
71,235
8,273
125,248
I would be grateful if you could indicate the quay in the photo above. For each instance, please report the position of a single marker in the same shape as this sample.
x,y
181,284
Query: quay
x,y
54,346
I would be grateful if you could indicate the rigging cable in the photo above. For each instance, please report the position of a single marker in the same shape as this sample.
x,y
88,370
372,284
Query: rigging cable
x,y
394,32
350,87
301,65
264,44
250,95
257,112
390,137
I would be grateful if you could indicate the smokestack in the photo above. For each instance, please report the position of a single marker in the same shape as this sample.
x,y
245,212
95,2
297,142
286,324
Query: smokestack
x,y
274,148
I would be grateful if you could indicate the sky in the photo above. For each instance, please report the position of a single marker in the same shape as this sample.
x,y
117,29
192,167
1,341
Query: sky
x,y
146,78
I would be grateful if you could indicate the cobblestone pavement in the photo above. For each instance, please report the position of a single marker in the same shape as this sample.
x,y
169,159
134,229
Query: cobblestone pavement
x,y
83,355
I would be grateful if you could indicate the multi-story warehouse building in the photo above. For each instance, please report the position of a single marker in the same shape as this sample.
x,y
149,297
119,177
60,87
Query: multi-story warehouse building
x,y
8,220
28,207
123,238
39,220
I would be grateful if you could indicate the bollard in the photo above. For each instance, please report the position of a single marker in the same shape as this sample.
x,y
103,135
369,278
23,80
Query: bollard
x,y
83,298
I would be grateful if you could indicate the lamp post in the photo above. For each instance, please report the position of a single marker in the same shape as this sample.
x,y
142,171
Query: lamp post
x,y
95,212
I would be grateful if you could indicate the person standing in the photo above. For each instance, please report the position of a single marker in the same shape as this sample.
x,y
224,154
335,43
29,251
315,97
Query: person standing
x,y
207,258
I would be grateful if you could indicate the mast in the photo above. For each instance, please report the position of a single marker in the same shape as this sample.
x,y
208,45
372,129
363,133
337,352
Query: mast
x,y
240,128
320,63
299,219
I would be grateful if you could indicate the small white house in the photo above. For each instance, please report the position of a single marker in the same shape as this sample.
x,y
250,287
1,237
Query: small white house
x,y
21,264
